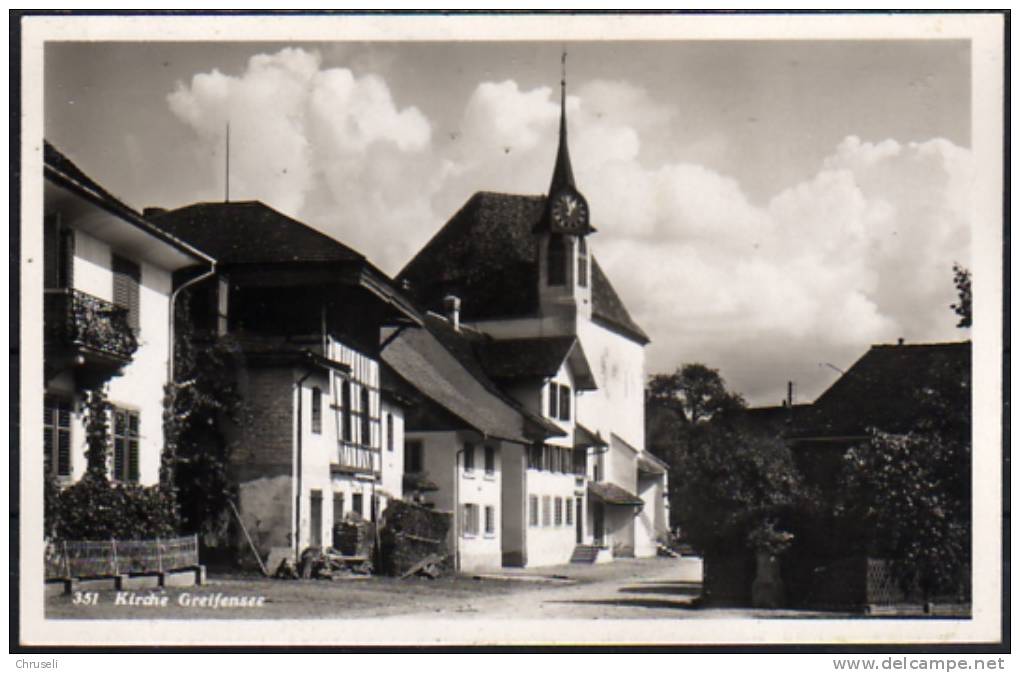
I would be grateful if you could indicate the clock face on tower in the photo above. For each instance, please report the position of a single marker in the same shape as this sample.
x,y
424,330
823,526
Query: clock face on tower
x,y
569,212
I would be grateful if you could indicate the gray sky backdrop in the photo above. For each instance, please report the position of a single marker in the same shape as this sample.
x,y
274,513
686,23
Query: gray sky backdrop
x,y
764,207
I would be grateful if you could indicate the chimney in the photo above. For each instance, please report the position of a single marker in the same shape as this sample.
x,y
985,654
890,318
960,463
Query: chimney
x,y
452,305
153,211
789,394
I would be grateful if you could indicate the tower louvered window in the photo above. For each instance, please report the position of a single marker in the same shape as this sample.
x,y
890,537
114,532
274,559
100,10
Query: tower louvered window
x,y
582,262
557,260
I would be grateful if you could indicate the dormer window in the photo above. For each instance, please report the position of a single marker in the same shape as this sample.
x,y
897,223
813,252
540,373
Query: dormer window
x,y
557,261
582,262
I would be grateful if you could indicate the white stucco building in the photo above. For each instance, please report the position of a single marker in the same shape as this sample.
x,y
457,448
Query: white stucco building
x,y
108,283
523,272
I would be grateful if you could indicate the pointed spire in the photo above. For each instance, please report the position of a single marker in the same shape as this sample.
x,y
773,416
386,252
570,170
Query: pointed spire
x,y
563,174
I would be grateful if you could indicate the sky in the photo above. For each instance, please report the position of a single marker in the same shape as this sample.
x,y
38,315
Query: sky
x,y
768,208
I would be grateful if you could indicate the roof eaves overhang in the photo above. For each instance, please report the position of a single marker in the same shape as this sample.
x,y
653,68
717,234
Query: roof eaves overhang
x,y
373,280
122,211
620,441
584,378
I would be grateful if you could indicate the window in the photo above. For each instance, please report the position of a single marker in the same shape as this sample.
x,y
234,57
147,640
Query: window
x,y
556,463
580,461
316,514
554,404
389,432
469,458
582,262
127,276
345,403
490,460
470,521
338,507
535,457
125,444
546,510
532,510
57,437
569,511
358,504
546,457
557,262
568,461
317,410
490,520
564,403
366,427
413,456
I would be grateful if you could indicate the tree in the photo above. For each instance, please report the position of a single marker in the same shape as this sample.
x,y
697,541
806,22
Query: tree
x,y
729,485
961,278
201,400
694,392
909,495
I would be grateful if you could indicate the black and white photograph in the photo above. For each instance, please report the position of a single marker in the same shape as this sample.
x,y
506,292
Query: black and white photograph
x,y
510,329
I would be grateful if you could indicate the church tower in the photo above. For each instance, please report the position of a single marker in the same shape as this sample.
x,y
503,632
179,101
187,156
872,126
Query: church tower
x,y
564,255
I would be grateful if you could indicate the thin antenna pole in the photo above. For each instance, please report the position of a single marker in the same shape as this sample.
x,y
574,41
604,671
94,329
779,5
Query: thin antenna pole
x,y
226,197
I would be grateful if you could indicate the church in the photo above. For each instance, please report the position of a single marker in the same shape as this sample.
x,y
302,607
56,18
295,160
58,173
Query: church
x,y
517,277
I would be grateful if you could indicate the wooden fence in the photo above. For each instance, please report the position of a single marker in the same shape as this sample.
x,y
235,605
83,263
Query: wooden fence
x,y
68,558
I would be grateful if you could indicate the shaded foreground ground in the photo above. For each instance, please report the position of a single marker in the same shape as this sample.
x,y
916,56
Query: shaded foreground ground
x,y
635,588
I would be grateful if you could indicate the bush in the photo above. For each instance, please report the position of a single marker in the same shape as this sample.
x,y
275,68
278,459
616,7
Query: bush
x,y
96,509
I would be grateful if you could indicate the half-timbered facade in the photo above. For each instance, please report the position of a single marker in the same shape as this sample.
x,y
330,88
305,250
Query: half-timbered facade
x,y
320,439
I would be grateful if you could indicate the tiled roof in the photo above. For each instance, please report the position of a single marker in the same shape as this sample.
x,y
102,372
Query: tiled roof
x,y
885,388
421,357
525,358
486,254
241,232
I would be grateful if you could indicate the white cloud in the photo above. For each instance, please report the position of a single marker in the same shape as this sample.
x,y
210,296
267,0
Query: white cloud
x,y
859,253
320,144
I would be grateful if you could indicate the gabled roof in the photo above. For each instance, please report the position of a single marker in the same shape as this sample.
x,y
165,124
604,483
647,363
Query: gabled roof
x,y
59,169
487,255
420,357
886,389
250,232
536,358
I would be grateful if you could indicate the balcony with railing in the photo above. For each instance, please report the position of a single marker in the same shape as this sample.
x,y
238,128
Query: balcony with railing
x,y
356,459
87,333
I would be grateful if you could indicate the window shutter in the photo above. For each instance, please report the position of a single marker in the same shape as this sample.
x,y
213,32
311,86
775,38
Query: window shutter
x,y
132,442
127,276
553,400
565,403
366,426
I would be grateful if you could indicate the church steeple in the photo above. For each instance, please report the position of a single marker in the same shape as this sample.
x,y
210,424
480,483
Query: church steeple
x,y
563,174
566,210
